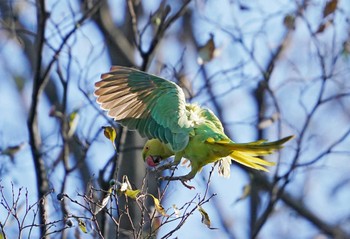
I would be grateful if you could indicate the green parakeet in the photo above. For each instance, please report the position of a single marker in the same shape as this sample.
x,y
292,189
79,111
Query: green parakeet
x,y
157,109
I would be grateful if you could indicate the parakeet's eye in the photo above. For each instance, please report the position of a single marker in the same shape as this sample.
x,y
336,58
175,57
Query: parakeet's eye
x,y
146,148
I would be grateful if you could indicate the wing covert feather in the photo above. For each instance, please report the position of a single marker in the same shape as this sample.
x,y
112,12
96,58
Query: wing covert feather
x,y
151,105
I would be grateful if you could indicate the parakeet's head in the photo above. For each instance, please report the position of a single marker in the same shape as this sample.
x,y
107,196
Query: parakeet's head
x,y
154,152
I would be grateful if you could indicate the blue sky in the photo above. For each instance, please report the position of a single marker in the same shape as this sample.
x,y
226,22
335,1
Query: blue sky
x,y
296,82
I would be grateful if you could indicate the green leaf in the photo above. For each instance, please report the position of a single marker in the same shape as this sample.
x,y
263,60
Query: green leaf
x,y
73,123
132,193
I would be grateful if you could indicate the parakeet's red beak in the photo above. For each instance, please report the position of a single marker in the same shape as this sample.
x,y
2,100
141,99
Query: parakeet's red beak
x,y
153,161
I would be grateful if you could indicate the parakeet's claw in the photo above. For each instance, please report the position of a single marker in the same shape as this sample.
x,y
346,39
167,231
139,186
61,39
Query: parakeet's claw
x,y
186,185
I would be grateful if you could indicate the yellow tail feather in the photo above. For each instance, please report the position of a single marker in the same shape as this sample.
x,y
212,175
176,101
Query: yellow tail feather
x,y
257,148
250,161
245,153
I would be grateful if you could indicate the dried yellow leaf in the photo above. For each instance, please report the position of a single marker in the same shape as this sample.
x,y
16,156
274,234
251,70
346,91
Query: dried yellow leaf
x,y
205,216
82,225
110,134
158,206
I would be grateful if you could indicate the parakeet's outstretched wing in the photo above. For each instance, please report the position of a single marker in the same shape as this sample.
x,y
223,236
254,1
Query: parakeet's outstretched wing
x,y
153,106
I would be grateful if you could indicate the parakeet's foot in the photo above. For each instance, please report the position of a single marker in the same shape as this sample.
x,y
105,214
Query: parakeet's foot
x,y
171,166
182,179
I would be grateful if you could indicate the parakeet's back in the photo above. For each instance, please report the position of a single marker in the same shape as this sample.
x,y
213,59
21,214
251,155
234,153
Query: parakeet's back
x,y
207,130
